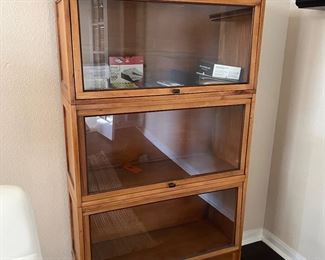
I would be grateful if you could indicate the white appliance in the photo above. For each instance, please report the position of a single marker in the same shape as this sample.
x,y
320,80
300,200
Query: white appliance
x,y
18,234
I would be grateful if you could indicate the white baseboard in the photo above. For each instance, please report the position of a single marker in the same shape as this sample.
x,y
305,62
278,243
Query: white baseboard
x,y
252,236
280,247
285,251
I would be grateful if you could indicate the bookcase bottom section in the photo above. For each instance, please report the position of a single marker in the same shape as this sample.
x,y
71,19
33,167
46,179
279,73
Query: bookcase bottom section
x,y
173,229
200,226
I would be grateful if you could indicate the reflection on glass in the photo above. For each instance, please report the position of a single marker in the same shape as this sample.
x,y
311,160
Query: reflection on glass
x,y
135,149
141,44
173,229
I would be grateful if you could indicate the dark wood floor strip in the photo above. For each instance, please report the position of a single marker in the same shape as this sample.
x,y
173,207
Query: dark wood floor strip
x,y
259,251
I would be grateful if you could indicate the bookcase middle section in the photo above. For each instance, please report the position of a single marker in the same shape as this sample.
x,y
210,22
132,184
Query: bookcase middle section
x,y
130,150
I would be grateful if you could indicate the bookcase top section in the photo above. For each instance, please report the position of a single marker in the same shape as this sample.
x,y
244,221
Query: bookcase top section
x,y
131,48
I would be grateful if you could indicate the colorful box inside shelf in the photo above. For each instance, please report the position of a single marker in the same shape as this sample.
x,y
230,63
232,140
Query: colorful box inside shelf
x,y
126,72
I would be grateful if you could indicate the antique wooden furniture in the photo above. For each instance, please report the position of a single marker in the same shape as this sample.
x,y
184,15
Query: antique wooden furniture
x,y
157,150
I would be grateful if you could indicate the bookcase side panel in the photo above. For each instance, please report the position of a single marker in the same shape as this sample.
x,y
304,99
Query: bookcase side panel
x,y
64,41
72,151
77,230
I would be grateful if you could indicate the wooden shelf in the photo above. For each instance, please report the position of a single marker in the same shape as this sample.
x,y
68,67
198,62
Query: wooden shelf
x,y
106,172
116,178
173,229
169,243
229,256
230,14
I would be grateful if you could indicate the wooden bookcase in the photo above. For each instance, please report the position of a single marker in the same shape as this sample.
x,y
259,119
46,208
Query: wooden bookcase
x,y
158,100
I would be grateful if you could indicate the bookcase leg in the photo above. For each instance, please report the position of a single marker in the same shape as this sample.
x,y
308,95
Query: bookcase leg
x,y
76,231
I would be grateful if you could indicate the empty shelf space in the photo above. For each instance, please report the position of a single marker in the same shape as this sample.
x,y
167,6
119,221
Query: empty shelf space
x,y
134,175
172,229
119,164
170,243
203,163
107,171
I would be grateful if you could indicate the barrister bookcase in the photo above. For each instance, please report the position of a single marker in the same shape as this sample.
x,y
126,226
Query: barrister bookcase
x,y
158,104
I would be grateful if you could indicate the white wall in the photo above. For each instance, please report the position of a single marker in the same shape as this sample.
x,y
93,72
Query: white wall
x,y
270,74
31,122
296,198
31,136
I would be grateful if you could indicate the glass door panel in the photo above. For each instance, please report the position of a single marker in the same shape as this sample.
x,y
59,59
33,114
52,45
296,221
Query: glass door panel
x,y
130,150
173,229
143,44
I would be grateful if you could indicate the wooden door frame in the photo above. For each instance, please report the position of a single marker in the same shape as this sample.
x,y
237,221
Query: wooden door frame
x,y
167,104
80,94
